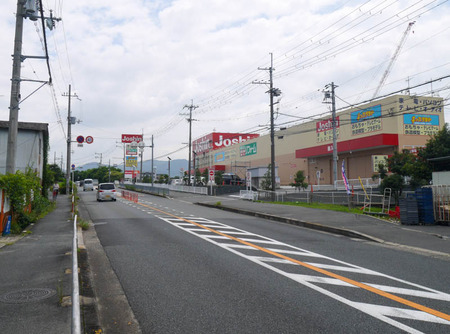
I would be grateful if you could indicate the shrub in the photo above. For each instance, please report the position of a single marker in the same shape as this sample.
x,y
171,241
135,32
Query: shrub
x,y
24,192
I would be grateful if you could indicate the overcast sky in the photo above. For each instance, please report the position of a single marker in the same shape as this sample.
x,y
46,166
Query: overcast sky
x,y
135,64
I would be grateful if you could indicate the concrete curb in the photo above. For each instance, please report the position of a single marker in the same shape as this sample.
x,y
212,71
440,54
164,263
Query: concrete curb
x,y
297,222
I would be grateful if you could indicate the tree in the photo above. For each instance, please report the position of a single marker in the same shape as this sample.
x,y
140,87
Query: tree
x,y
299,180
218,179
205,174
396,183
438,146
198,176
56,173
266,183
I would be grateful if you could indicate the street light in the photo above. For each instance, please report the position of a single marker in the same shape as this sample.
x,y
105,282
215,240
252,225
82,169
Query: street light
x,y
141,145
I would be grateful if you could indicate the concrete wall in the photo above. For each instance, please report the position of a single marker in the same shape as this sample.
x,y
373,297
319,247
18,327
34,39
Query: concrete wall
x,y
30,147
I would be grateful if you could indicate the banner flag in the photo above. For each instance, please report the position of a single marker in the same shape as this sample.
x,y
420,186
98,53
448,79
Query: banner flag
x,y
344,177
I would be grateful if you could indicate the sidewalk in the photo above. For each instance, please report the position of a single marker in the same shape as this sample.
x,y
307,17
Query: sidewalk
x,y
432,239
33,278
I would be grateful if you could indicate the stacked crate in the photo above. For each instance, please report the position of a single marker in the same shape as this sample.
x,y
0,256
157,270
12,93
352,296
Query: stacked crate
x,y
409,211
425,205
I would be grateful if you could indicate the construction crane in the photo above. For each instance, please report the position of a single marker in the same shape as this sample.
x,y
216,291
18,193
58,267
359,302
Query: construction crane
x,y
393,59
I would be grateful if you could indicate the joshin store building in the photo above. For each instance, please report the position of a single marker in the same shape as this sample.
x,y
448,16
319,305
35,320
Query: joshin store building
x,y
366,135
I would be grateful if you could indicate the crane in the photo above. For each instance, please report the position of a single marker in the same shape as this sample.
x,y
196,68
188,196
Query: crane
x,y
393,58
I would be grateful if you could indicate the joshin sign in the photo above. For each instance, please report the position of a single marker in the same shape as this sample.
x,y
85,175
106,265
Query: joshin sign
x,y
131,138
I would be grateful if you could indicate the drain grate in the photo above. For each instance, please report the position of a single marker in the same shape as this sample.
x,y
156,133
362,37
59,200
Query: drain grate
x,y
27,295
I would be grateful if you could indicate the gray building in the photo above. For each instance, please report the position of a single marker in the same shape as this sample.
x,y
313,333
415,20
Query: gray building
x,y
31,146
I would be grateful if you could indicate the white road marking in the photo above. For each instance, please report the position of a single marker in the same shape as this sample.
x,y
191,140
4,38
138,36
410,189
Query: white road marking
x,y
383,313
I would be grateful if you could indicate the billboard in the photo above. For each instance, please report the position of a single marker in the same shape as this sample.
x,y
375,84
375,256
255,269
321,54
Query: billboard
x,y
131,162
248,149
324,130
422,125
366,120
127,138
130,150
220,140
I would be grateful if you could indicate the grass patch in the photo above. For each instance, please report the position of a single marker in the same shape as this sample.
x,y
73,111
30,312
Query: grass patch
x,y
218,203
83,224
323,206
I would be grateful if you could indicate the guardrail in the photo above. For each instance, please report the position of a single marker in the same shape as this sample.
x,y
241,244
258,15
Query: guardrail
x,y
131,196
164,189
76,318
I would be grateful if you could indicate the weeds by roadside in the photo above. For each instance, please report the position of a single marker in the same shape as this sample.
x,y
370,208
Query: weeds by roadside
x,y
83,224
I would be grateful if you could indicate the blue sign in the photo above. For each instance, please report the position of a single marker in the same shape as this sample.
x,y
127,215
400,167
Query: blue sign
x,y
417,119
218,157
366,114
7,229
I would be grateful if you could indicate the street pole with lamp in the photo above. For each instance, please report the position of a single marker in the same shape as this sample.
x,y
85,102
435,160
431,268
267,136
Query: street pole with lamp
x,y
141,145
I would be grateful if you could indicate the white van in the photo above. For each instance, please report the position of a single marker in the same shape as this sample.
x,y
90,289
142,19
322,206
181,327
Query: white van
x,y
88,184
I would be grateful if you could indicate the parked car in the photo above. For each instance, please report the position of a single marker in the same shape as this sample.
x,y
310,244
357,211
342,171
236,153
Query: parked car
x,y
230,178
88,184
106,191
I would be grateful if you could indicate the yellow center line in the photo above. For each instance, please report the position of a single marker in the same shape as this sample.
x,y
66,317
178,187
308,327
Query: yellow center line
x,y
319,270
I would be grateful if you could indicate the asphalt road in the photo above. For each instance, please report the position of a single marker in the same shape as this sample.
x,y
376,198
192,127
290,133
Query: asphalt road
x,y
190,269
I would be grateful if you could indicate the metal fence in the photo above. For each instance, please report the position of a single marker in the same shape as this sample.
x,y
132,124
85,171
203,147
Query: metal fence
x,y
164,189
441,201
326,197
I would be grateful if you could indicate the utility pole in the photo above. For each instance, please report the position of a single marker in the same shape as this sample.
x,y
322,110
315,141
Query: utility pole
x,y
272,92
334,125
24,10
168,179
99,155
15,92
70,121
152,163
191,107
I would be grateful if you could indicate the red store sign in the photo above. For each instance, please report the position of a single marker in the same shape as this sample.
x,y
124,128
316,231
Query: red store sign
x,y
131,138
217,140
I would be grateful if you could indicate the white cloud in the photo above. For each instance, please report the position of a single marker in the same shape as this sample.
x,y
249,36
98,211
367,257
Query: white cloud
x,y
135,64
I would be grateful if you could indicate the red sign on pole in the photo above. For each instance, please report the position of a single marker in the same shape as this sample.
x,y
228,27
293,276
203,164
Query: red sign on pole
x,y
211,175
126,138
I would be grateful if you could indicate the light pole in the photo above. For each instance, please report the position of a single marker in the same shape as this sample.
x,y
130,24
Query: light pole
x,y
168,179
141,145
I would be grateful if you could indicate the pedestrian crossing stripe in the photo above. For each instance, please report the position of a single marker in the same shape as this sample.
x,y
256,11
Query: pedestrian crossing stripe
x,y
258,243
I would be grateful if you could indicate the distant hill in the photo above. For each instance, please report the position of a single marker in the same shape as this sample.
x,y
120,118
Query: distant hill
x,y
161,166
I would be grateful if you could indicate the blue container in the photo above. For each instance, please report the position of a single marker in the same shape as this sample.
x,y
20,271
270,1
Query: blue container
x,y
425,205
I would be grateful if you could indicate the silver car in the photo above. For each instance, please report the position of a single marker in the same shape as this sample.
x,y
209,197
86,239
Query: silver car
x,y
106,191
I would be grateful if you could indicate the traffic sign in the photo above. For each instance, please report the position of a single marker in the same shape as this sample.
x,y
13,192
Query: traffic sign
x,y
211,175
80,139
73,167
89,140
